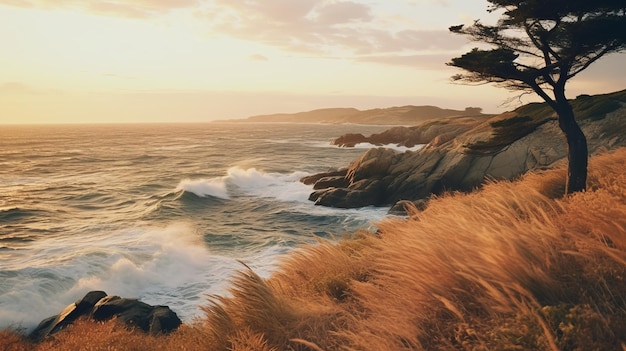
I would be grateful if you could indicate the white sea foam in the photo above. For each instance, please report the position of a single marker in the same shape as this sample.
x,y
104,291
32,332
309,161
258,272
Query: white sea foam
x,y
284,187
361,215
215,187
166,266
365,146
389,146
250,182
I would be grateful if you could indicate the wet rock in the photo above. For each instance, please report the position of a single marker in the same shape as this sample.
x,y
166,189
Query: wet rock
x,y
69,314
137,314
98,306
312,179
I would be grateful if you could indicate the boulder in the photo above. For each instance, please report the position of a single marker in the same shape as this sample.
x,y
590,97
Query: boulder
x,y
347,198
374,163
69,314
349,140
403,207
312,179
136,314
331,182
100,307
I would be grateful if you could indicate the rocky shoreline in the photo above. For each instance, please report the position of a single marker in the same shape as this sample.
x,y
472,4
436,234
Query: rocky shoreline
x,y
462,153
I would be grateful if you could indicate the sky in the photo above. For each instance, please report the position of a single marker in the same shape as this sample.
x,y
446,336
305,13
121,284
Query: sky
x,y
112,61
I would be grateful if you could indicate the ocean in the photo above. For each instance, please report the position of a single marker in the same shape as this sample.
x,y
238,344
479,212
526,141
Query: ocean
x,y
166,213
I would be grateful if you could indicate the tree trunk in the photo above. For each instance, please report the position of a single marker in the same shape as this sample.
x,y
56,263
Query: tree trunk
x,y
577,153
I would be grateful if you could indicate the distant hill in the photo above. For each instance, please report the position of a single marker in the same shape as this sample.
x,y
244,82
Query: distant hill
x,y
403,115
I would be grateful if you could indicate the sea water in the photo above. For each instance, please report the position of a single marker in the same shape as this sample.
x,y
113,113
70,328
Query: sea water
x,y
164,213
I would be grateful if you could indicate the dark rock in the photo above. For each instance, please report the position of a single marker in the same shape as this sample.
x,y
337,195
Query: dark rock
x,y
374,163
362,184
99,306
69,314
403,136
405,207
426,132
350,140
340,198
331,182
163,320
136,314
312,179
43,329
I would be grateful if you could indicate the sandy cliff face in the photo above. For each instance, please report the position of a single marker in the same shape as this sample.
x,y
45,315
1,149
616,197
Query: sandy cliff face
x,y
463,158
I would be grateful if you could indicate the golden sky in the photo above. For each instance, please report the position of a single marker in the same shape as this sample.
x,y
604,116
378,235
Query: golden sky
x,y
87,61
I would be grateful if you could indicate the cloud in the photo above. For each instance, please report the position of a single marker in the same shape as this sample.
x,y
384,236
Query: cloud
x,y
122,8
322,27
19,88
331,28
117,76
343,12
417,61
258,57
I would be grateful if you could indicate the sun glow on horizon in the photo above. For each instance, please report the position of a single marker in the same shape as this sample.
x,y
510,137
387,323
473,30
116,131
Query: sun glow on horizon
x,y
210,59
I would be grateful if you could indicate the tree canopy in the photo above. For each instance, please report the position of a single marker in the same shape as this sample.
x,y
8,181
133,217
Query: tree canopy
x,y
542,43
538,45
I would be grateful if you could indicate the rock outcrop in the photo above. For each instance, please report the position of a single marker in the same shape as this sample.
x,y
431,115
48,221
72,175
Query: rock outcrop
x,y
500,147
99,306
423,133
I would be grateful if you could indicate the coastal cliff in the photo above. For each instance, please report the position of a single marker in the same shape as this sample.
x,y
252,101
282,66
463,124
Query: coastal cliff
x,y
461,154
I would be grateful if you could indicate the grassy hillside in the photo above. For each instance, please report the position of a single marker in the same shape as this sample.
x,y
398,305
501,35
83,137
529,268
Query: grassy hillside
x,y
509,267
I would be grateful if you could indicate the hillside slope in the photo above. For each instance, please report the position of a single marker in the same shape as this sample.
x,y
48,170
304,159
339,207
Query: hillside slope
x,y
404,115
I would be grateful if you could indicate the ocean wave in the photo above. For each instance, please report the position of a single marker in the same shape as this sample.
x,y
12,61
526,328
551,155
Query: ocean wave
x,y
215,187
365,146
160,265
284,187
396,147
250,182
16,213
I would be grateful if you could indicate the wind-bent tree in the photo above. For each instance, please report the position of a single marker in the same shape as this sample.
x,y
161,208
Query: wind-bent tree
x,y
537,46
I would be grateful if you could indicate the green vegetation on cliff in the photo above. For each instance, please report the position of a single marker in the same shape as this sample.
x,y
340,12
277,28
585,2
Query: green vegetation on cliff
x,y
510,127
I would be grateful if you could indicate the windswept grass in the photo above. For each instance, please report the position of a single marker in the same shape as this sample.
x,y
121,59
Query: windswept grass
x,y
511,267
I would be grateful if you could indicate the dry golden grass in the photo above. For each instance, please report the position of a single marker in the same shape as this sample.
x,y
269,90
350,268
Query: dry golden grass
x,y
111,336
511,267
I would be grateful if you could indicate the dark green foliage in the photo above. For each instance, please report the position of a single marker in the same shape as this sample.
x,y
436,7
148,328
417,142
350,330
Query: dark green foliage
x,y
585,107
511,122
530,116
542,43
596,108
536,109
505,132
488,63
